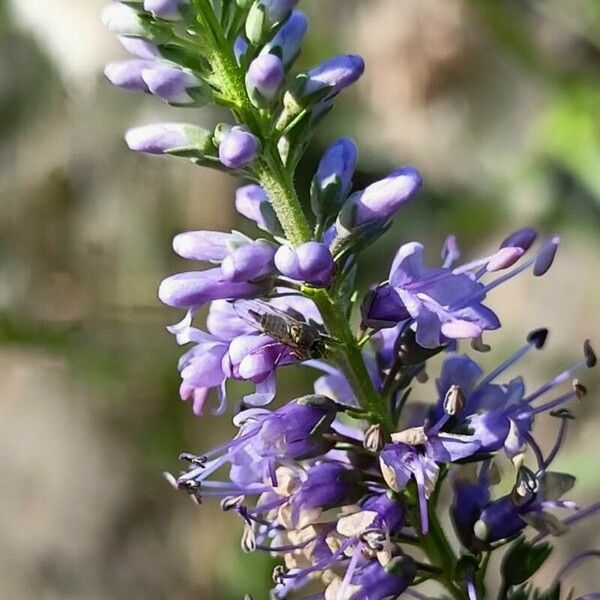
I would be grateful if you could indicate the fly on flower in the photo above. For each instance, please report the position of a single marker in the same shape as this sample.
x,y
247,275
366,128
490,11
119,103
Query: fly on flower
x,y
306,339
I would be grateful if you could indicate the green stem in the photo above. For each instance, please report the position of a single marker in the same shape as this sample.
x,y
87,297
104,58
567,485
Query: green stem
x,y
277,181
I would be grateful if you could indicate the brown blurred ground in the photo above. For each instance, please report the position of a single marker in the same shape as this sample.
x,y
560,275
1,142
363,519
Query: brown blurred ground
x,y
496,102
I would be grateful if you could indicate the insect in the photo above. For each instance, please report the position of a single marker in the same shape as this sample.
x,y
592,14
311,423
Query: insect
x,y
305,339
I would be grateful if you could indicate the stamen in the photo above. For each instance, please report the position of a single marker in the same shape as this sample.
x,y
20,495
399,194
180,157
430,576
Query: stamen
x,y
349,572
454,402
545,257
420,479
572,564
564,416
500,280
536,339
556,402
536,450
557,380
522,238
590,355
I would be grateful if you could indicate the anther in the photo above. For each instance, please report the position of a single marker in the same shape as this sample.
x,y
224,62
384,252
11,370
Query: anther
x,y
374,439
231,502
590,355
538,337
279,574
579,389
199,461
454,401
562,413
248,541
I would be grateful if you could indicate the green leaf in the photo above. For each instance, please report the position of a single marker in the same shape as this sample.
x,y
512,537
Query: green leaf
x,y
522,560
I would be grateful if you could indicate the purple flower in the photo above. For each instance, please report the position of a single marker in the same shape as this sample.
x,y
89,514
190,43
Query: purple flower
x,y
276,10
327,484
164,9
286,42
127,74
174,85
266,439
442,303
382,199
532,495
193,289
264,77
123,20
252,202
170,138
238,148
336,167
140,47
334,74
373,581
250,262
415,454
210,246
311,262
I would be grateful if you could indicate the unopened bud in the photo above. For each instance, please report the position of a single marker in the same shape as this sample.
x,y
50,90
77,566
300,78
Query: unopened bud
x,y
374,439
454,401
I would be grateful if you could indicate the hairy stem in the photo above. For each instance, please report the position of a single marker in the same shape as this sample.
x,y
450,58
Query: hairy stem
x,y
277,181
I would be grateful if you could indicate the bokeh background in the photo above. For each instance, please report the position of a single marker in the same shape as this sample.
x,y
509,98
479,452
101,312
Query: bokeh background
x,y
496,101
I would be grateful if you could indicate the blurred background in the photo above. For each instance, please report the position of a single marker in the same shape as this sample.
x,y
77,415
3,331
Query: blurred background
x,y
497,102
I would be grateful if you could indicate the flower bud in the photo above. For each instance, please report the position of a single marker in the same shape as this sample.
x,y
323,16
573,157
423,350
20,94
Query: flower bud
x,y
277,10
545,256
140,47
311,262
240,47
125,21
336,74
333,179
176,86
264,77
249,262
164,9
383,198
212,246
180,139
287,40
252,202
238,148
127,74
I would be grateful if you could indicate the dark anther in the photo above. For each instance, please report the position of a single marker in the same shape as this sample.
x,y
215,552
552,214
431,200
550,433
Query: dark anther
x,y
279,574
200,461
590,355
231,502
562,413
538,337
579,389
454,401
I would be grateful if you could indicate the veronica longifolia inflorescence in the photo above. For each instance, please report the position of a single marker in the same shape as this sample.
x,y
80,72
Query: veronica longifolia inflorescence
x,y
342,485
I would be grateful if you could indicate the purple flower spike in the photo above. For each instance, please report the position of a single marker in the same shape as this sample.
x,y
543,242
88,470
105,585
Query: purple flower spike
x,y
249,262
127,74
238,148
383,198
288,38
211,246
264,77
164,9
170,83
311,262
545,256
336,73
164,138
